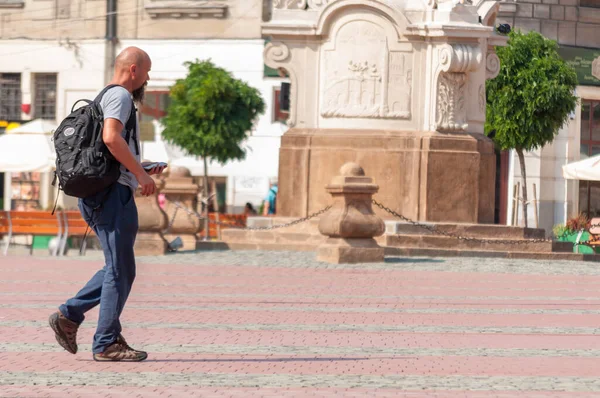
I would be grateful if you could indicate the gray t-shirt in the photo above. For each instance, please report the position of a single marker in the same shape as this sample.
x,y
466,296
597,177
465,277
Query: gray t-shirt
x,y
116,104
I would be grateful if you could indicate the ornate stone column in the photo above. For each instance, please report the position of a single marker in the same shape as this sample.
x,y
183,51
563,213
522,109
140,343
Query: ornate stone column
x,y
180,187
351,223
152,221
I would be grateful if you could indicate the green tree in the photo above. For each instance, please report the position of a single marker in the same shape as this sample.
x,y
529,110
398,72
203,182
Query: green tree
x,y
211,114
531,98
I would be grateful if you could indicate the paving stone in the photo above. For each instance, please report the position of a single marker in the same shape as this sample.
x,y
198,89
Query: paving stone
x,y
281,324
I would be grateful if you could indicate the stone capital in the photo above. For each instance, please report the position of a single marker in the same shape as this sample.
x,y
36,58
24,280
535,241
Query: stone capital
x,y
460,58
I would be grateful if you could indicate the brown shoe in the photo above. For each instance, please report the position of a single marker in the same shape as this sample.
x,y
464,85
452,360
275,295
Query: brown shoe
x,y
120,351
65,331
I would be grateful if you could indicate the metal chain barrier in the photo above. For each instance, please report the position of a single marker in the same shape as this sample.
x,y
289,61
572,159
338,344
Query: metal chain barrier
x,y
434,230
190,212
430,228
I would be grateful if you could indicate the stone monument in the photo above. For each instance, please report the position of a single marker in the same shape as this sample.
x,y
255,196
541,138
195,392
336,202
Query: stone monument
x,y
350,224
396,86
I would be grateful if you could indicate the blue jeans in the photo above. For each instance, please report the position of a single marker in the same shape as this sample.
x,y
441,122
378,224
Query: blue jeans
x,y
115,222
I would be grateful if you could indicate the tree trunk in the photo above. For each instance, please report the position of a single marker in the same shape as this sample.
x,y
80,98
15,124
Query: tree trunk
x,y
524,177
205,197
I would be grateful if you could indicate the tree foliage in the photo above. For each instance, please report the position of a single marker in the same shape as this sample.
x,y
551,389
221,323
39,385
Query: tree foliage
x,y
532,96
211,112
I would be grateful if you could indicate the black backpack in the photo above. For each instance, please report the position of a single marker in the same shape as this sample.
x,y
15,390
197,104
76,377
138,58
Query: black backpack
x,y
84,165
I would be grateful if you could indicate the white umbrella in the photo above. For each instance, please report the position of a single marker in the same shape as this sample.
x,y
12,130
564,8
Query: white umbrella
x,y
587,169
26,152
37,126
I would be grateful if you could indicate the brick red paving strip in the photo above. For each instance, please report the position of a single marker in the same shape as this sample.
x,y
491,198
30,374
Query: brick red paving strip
x,y
270,324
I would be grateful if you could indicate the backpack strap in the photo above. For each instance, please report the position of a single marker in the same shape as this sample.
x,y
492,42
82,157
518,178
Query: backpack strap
x,y
131,122
104,90
131,126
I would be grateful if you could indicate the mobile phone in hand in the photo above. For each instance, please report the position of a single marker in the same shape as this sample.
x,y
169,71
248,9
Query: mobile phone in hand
x,y
152,165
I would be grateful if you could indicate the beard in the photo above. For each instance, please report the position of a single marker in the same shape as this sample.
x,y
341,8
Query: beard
x,y
138,93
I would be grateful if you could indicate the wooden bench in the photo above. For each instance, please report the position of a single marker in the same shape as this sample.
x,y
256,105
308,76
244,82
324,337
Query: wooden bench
x,y
34,223
214,229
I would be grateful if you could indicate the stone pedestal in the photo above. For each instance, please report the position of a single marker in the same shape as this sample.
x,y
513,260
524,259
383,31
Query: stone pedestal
x,y
351,224
397,86
434,177
152,221
180,187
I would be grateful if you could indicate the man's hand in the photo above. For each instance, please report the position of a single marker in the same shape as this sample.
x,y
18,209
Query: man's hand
x,y
146,183
154,171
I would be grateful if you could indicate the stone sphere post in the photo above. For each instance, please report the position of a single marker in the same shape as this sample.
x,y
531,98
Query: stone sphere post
x,y
180,187
351,224
152,221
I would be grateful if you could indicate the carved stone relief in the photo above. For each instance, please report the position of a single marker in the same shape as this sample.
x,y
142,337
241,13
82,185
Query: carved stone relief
x,y
451,99
454,64
289,4
318,4
482,98
299,4
363,78
492,66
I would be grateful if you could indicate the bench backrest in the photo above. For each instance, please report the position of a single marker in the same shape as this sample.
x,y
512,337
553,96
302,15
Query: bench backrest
x,y
76,224
31,223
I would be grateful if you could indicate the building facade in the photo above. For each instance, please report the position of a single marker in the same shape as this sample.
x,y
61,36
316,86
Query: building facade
x,y
575,25
53,53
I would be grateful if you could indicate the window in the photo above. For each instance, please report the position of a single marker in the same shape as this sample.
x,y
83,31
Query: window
x,y
589,191
10,96
279,115
590,3
44,105
154,108
155,105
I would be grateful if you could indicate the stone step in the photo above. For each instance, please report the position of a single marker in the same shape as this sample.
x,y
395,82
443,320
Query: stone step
x,y
429,252
467,230
404,228
309,226
279,237
443,242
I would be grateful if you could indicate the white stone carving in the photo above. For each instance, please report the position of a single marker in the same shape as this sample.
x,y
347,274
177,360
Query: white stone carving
x,y
451,109
596,68
277,55
317,4
454,63
362,77
289,4
460,58
492,66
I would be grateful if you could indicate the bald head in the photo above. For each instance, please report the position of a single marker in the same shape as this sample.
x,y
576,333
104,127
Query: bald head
x,y
131,71
131,56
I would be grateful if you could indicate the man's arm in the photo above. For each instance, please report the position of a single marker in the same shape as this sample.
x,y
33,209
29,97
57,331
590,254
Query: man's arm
x,y
111,134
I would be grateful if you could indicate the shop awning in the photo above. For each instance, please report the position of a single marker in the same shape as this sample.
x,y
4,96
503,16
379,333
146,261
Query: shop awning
x,y
587,169
26,152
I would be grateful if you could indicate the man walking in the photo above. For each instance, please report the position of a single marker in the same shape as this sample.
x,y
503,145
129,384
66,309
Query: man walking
x,y
112,214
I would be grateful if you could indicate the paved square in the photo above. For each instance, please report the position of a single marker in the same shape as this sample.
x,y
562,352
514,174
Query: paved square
x,y
279,324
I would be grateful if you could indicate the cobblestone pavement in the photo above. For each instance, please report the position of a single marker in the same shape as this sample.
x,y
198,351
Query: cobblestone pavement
x,y
280,324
